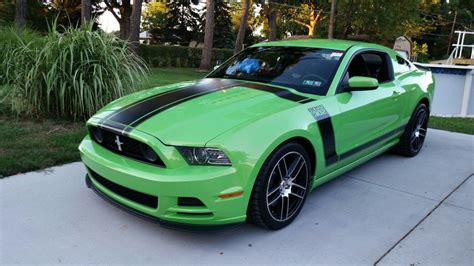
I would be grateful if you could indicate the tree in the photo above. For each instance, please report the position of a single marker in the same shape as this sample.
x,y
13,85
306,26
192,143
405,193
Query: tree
x,y
181,22
239,41
134,37
309,15
86,10
20,13
123,17
154,21
223,35
208,36
271,13
332,20
253,22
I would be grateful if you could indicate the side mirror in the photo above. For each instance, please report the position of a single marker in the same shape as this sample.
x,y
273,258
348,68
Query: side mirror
x,y
359,83
216,67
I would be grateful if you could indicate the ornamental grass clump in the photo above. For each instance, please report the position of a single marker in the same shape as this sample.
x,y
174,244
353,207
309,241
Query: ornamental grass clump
x,y
73,74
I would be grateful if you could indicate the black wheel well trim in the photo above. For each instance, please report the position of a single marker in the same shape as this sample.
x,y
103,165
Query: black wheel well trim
x,y
425,101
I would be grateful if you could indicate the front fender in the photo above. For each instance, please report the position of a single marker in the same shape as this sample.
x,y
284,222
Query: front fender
x,y
249,146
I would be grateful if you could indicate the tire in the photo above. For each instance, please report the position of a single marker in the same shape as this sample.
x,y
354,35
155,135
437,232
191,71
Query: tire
x,y
414,135
281,187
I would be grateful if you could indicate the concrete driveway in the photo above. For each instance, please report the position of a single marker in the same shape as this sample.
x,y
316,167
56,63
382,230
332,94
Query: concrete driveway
x,y
390,210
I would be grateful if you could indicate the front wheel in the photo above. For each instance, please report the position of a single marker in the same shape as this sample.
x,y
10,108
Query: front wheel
x,y
281,187
414,136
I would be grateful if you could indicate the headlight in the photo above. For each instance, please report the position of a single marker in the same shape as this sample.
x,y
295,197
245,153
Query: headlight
x,y
204,156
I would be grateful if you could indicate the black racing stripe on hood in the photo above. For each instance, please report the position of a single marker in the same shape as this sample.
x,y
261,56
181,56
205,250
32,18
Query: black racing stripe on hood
x,y
137,111
280,92
124,120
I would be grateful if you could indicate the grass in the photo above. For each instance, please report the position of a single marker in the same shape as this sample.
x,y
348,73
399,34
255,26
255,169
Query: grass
x,y
31,145
165,76
454,124
28,145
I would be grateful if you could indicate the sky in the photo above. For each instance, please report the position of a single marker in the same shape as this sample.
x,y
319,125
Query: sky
x,y
108,23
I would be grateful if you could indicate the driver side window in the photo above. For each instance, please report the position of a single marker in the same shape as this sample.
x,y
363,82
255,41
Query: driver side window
x,y
369,64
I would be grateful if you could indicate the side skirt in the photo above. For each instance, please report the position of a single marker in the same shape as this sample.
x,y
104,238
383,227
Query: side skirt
x,y
321,180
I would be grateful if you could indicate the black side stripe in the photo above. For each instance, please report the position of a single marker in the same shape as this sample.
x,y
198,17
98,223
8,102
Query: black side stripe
x,y
326,130
387,136
329,142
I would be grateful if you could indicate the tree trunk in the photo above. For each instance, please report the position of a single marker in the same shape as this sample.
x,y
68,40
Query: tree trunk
x,y
134,35
315,17
348,19
332,20
239,41
208,36
86,10
271,14
20,13
125,13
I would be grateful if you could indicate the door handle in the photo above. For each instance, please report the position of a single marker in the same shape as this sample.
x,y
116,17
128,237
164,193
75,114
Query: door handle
x,y
395,93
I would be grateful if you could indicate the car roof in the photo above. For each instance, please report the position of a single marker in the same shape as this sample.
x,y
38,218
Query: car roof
x,y
341,45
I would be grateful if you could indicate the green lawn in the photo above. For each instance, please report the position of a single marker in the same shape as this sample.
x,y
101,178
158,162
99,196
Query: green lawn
x,y
454,124
31,145
164,76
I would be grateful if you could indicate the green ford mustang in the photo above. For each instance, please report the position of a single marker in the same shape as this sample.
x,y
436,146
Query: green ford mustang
x,y
253,138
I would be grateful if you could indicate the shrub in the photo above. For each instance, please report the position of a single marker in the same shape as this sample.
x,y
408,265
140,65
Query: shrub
x,y
10,39
73,74
178,56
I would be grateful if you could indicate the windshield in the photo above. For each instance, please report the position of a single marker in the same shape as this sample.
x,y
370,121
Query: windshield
x,y
309,70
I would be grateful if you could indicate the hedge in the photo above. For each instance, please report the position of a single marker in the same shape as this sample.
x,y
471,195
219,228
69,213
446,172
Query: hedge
x,y
178,56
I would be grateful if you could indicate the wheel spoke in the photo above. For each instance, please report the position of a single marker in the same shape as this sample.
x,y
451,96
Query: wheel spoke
x,y
287,206
279,171
296,195
298,186
284,164
421,118
273,191
295,171
274,200
282,207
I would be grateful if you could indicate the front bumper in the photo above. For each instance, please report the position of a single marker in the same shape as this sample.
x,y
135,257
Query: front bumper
x,y
205,183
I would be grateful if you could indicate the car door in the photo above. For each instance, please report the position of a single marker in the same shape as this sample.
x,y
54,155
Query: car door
x,y
367,118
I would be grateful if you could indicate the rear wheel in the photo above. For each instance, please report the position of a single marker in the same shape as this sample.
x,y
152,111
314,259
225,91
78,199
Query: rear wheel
x,y
414,136
281,187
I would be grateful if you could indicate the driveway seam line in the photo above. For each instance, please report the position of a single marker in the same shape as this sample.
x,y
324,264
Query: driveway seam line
x,y
422,220
394,189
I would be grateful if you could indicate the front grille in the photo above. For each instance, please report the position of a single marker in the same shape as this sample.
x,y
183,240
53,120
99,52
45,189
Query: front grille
x,y
125,146
133,195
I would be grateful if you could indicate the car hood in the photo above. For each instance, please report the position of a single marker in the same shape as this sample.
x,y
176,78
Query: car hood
x,y
192,113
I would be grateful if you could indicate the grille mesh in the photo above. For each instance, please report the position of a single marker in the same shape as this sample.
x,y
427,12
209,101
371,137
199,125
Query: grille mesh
x,y
130,147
